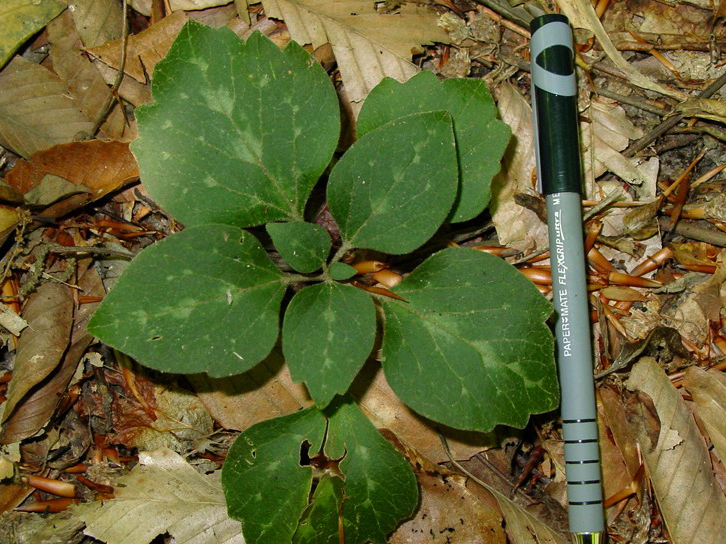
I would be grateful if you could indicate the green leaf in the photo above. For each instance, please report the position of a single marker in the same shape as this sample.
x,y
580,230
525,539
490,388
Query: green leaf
x,y
341,271
269,492
266,488
471,348
20,19
206,299
327,335
319,523
380,487
239,131
395,186
304,246
480,137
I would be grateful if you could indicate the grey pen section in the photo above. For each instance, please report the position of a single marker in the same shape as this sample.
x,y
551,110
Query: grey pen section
x,y
572,331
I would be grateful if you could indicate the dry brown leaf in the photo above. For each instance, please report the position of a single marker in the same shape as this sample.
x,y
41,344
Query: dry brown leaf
x,y
368,44
99,166
679,464
35,111
215,16
84,82
449,513
582,15
708,390
615,418
516,226
386,411
37,408
144,49
49,313
240,401
98,21
615,473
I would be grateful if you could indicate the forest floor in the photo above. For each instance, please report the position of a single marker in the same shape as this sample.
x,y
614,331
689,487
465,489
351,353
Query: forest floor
x,y
85,416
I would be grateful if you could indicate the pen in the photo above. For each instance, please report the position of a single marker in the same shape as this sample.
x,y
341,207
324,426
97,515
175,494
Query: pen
x,y
554,104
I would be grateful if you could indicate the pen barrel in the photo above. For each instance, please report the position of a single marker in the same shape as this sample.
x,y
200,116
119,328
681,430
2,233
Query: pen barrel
x,y
574,361
554,98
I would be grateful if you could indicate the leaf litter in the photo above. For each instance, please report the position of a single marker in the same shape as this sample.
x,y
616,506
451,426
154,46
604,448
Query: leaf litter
x,y
659,406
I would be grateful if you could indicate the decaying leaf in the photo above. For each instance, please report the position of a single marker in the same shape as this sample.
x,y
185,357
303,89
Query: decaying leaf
x,y
678,462
38,406
95,166
35,111
49,312
144,49
98,21
85,84
708,389
368,44
163,493
516,226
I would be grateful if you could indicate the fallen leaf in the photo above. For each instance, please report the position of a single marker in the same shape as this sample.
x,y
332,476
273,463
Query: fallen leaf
x,y
517,227
30,528
240,401
144,49
20,19
35,111
679,464
368,44
448,511
38,406
163,493
177,5
708,389
97,21
85,84
95,166
615,475
49,313
582,15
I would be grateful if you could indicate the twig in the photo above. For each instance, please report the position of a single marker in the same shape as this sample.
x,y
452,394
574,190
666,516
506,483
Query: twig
x,y
694,232
669,123
93,250
640,104
119,76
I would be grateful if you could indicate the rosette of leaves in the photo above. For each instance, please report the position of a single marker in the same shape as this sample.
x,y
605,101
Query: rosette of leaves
x,y
238,135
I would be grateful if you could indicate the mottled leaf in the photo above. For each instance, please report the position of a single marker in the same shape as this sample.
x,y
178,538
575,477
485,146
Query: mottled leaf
x,y
205,299
239,131
395,186
327,335
480,137
20,19
470,348
305,246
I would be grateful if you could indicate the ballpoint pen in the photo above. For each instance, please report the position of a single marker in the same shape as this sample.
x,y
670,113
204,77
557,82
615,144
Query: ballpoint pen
x,y
554,103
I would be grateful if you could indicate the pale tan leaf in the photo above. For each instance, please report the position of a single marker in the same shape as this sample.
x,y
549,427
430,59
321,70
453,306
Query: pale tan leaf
x,y
84,82
368,45
142,6
177,5
679,464
516,226
144,49
523,527
163,493
35,112
582,15
49,313
97,21
708,390
607,133
11,321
